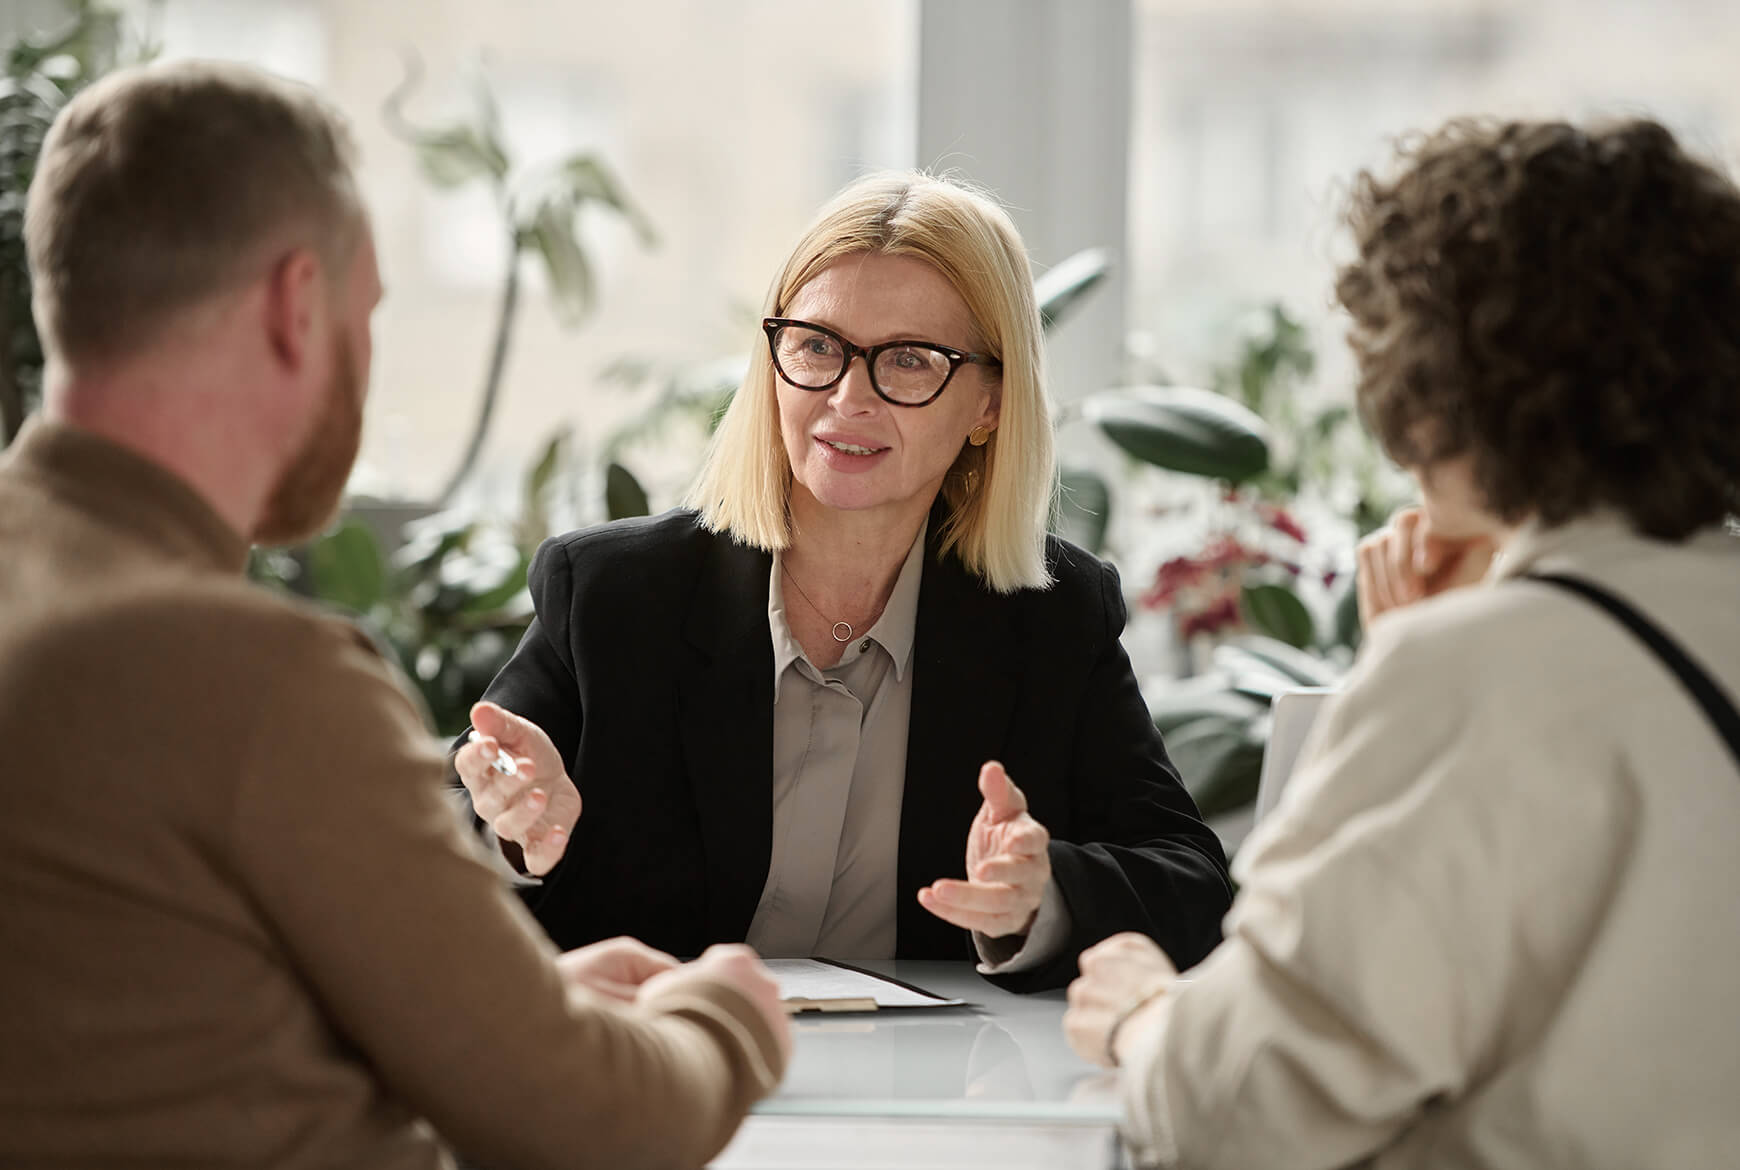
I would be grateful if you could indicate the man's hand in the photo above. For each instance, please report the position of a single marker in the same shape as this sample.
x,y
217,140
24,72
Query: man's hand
x,y
536,808
1008,866
615,967
1116,975
1406,561
736,966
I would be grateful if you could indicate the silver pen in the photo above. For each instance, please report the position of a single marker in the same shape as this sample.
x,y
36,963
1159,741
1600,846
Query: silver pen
x,y
503,762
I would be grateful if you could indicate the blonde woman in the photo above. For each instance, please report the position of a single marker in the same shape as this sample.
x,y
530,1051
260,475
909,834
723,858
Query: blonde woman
x,y
854,701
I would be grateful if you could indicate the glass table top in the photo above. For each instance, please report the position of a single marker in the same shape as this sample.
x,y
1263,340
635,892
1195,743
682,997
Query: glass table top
x,y
1001,1057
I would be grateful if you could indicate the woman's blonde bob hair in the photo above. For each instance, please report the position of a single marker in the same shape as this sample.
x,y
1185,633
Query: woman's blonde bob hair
x,y
999,495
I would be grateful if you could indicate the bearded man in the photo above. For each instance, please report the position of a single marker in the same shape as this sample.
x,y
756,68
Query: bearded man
x,y
201,961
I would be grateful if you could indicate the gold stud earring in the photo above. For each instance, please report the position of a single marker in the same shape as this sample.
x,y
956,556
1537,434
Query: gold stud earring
x,y
979,436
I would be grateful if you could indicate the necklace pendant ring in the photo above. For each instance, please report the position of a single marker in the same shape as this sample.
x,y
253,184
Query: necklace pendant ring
x,y
838,636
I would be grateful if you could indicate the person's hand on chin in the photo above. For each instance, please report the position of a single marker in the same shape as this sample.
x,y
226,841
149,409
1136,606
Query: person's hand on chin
x,y
1407,561
1008,866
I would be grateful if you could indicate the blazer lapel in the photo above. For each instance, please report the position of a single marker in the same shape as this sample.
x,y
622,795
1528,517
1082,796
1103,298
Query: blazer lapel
x,y
963,697
725,697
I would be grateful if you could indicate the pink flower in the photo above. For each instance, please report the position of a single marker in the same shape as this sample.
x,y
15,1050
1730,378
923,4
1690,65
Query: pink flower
x,y
1212,620
1227,551
1176,574
1282,521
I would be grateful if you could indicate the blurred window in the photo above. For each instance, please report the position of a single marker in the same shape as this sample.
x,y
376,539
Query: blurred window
x,y
727,124
1252,116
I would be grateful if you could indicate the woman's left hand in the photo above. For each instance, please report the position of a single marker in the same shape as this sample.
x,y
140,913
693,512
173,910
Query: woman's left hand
x,y
1118,976
1008,865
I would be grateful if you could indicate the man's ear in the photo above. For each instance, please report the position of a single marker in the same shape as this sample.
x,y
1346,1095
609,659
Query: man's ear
x,y
295,292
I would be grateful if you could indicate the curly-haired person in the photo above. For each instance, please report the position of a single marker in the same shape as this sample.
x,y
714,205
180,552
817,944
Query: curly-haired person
x,y
1491,922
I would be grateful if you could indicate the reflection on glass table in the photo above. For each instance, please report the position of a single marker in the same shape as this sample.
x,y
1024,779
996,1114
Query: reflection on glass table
x,y
1001,1057
993,1083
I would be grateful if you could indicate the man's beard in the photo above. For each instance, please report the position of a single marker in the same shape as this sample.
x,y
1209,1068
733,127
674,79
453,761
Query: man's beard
x,y
307,494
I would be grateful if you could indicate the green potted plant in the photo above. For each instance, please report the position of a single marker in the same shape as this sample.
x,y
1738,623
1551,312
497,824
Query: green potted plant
x,y
541,209
41,74
444,586
1271,609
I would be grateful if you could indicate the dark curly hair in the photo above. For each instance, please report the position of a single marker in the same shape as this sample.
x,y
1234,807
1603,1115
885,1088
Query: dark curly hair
x,y
1561,305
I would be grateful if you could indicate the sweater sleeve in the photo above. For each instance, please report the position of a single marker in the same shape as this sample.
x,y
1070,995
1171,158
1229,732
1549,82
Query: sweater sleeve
x,y
436,974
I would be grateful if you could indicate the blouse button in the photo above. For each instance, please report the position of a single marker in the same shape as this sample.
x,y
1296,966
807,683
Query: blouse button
x,y
864,646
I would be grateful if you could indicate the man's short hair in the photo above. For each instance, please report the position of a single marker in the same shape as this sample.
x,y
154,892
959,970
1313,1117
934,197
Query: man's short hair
x,y
1562,305
162,186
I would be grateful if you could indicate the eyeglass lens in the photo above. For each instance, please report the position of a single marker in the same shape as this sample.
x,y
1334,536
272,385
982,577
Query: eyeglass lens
x,y
813,359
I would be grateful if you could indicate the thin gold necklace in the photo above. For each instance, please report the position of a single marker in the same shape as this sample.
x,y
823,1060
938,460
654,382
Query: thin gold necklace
x,y
838,626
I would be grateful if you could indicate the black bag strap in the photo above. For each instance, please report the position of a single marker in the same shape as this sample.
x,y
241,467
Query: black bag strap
x,y
1703,688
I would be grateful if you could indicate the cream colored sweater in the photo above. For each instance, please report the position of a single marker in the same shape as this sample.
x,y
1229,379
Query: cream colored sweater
x,y
1495,920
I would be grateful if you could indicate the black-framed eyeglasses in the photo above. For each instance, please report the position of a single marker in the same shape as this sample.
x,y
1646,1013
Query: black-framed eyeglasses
x,y
904,373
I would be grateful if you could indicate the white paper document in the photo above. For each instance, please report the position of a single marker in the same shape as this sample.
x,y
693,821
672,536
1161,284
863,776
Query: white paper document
x,y
820,983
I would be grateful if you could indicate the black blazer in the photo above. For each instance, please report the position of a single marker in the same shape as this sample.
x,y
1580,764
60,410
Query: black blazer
x,y
650,666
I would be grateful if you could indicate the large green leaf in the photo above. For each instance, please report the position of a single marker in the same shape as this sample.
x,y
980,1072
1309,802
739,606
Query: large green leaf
x,y
1348,630
551,233
552,226
1215,735
483,568
1175,709
429,540
623,495
494,598
534,522
454,156
1276,611
1084,508
458,152
347,567
1219,760
1271,360
1067,282
1250,674
585,177
1233,781
1305,668
544,470
1196,432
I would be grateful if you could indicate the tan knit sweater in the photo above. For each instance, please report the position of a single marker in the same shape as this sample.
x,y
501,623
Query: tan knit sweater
x,y
239,925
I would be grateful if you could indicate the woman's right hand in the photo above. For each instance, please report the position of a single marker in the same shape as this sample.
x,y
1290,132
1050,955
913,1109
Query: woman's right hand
x,y
1406,561
537,807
